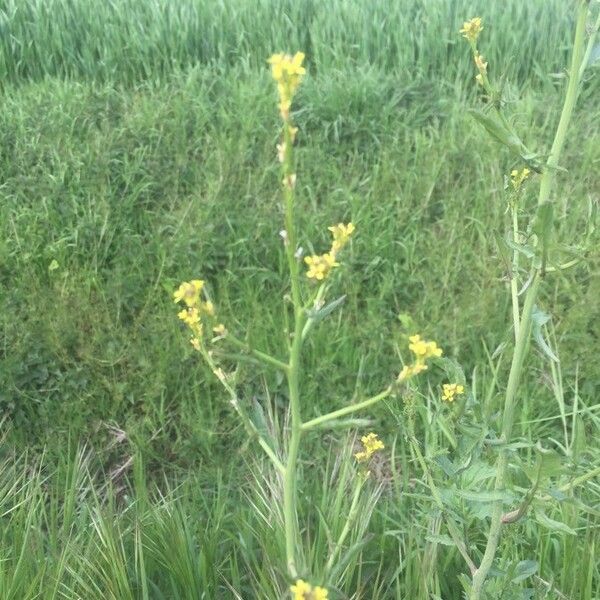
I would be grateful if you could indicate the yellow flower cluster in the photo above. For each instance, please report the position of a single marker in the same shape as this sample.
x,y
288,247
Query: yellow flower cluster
x,y
423,351
287,71
371,443
451,390
189,292
471,29
305,591
320,265
481,66
518,177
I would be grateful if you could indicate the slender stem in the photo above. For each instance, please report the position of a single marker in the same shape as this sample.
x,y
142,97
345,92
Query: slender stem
x,y
450,525
352,514
247,422
293,367
590,46
262,356
546,185
346,410
514,278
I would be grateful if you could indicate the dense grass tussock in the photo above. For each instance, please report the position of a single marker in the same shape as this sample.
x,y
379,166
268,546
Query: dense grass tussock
x,y
137,150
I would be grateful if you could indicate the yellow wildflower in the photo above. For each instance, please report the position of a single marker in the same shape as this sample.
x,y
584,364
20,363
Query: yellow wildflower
x,y
220,329
305,591
371,444
480,63
195,342
319,266
341,234
189,292
471,29
208,308
479,78
287,71
191,316
518,177
411,370
422,350
450,390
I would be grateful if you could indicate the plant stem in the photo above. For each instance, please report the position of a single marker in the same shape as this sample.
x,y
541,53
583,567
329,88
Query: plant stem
x,y
293,366
247,422
347,410
546,184
262,356
514,278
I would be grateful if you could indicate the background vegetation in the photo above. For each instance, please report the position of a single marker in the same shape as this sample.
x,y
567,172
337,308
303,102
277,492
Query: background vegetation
x,y
137,150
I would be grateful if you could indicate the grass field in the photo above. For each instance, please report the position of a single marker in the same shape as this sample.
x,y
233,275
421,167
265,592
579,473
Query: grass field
x,y
137,151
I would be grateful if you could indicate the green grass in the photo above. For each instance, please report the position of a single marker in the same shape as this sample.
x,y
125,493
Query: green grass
x,y
131,161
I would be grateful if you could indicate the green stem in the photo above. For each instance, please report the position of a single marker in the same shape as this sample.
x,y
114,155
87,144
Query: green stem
x,y
546,185
293,368
514,279
247,422
262,356
346,410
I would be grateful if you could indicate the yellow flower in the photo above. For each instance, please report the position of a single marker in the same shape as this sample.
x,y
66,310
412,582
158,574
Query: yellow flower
x,y
422,350
480,63
471,29
305,591
191,316
341,234
319,266
189,292
479,78
195,342
450,390
220,329
371,444
287,71
208,308
518,177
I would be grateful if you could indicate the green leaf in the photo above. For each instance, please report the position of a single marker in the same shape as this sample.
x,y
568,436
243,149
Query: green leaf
x,y
498,131
444,463
485,496
445,540
538,319
523,570
524,249
321,313
543,519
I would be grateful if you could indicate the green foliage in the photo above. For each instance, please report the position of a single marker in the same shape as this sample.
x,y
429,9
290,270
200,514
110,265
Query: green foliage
x,y
140,154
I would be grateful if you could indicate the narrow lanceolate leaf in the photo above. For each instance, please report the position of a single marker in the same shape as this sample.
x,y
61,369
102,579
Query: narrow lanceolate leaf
x,y
498,131
539,319
543,519
317,315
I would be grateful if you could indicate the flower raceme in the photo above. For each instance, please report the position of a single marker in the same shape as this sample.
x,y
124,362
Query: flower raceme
x,y
471,29
371,444
451,390
287,71
305,591
189,292
423,351
518,177
321,265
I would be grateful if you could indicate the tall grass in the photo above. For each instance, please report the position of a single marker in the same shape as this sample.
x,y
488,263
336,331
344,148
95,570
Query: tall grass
x,y
128,41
